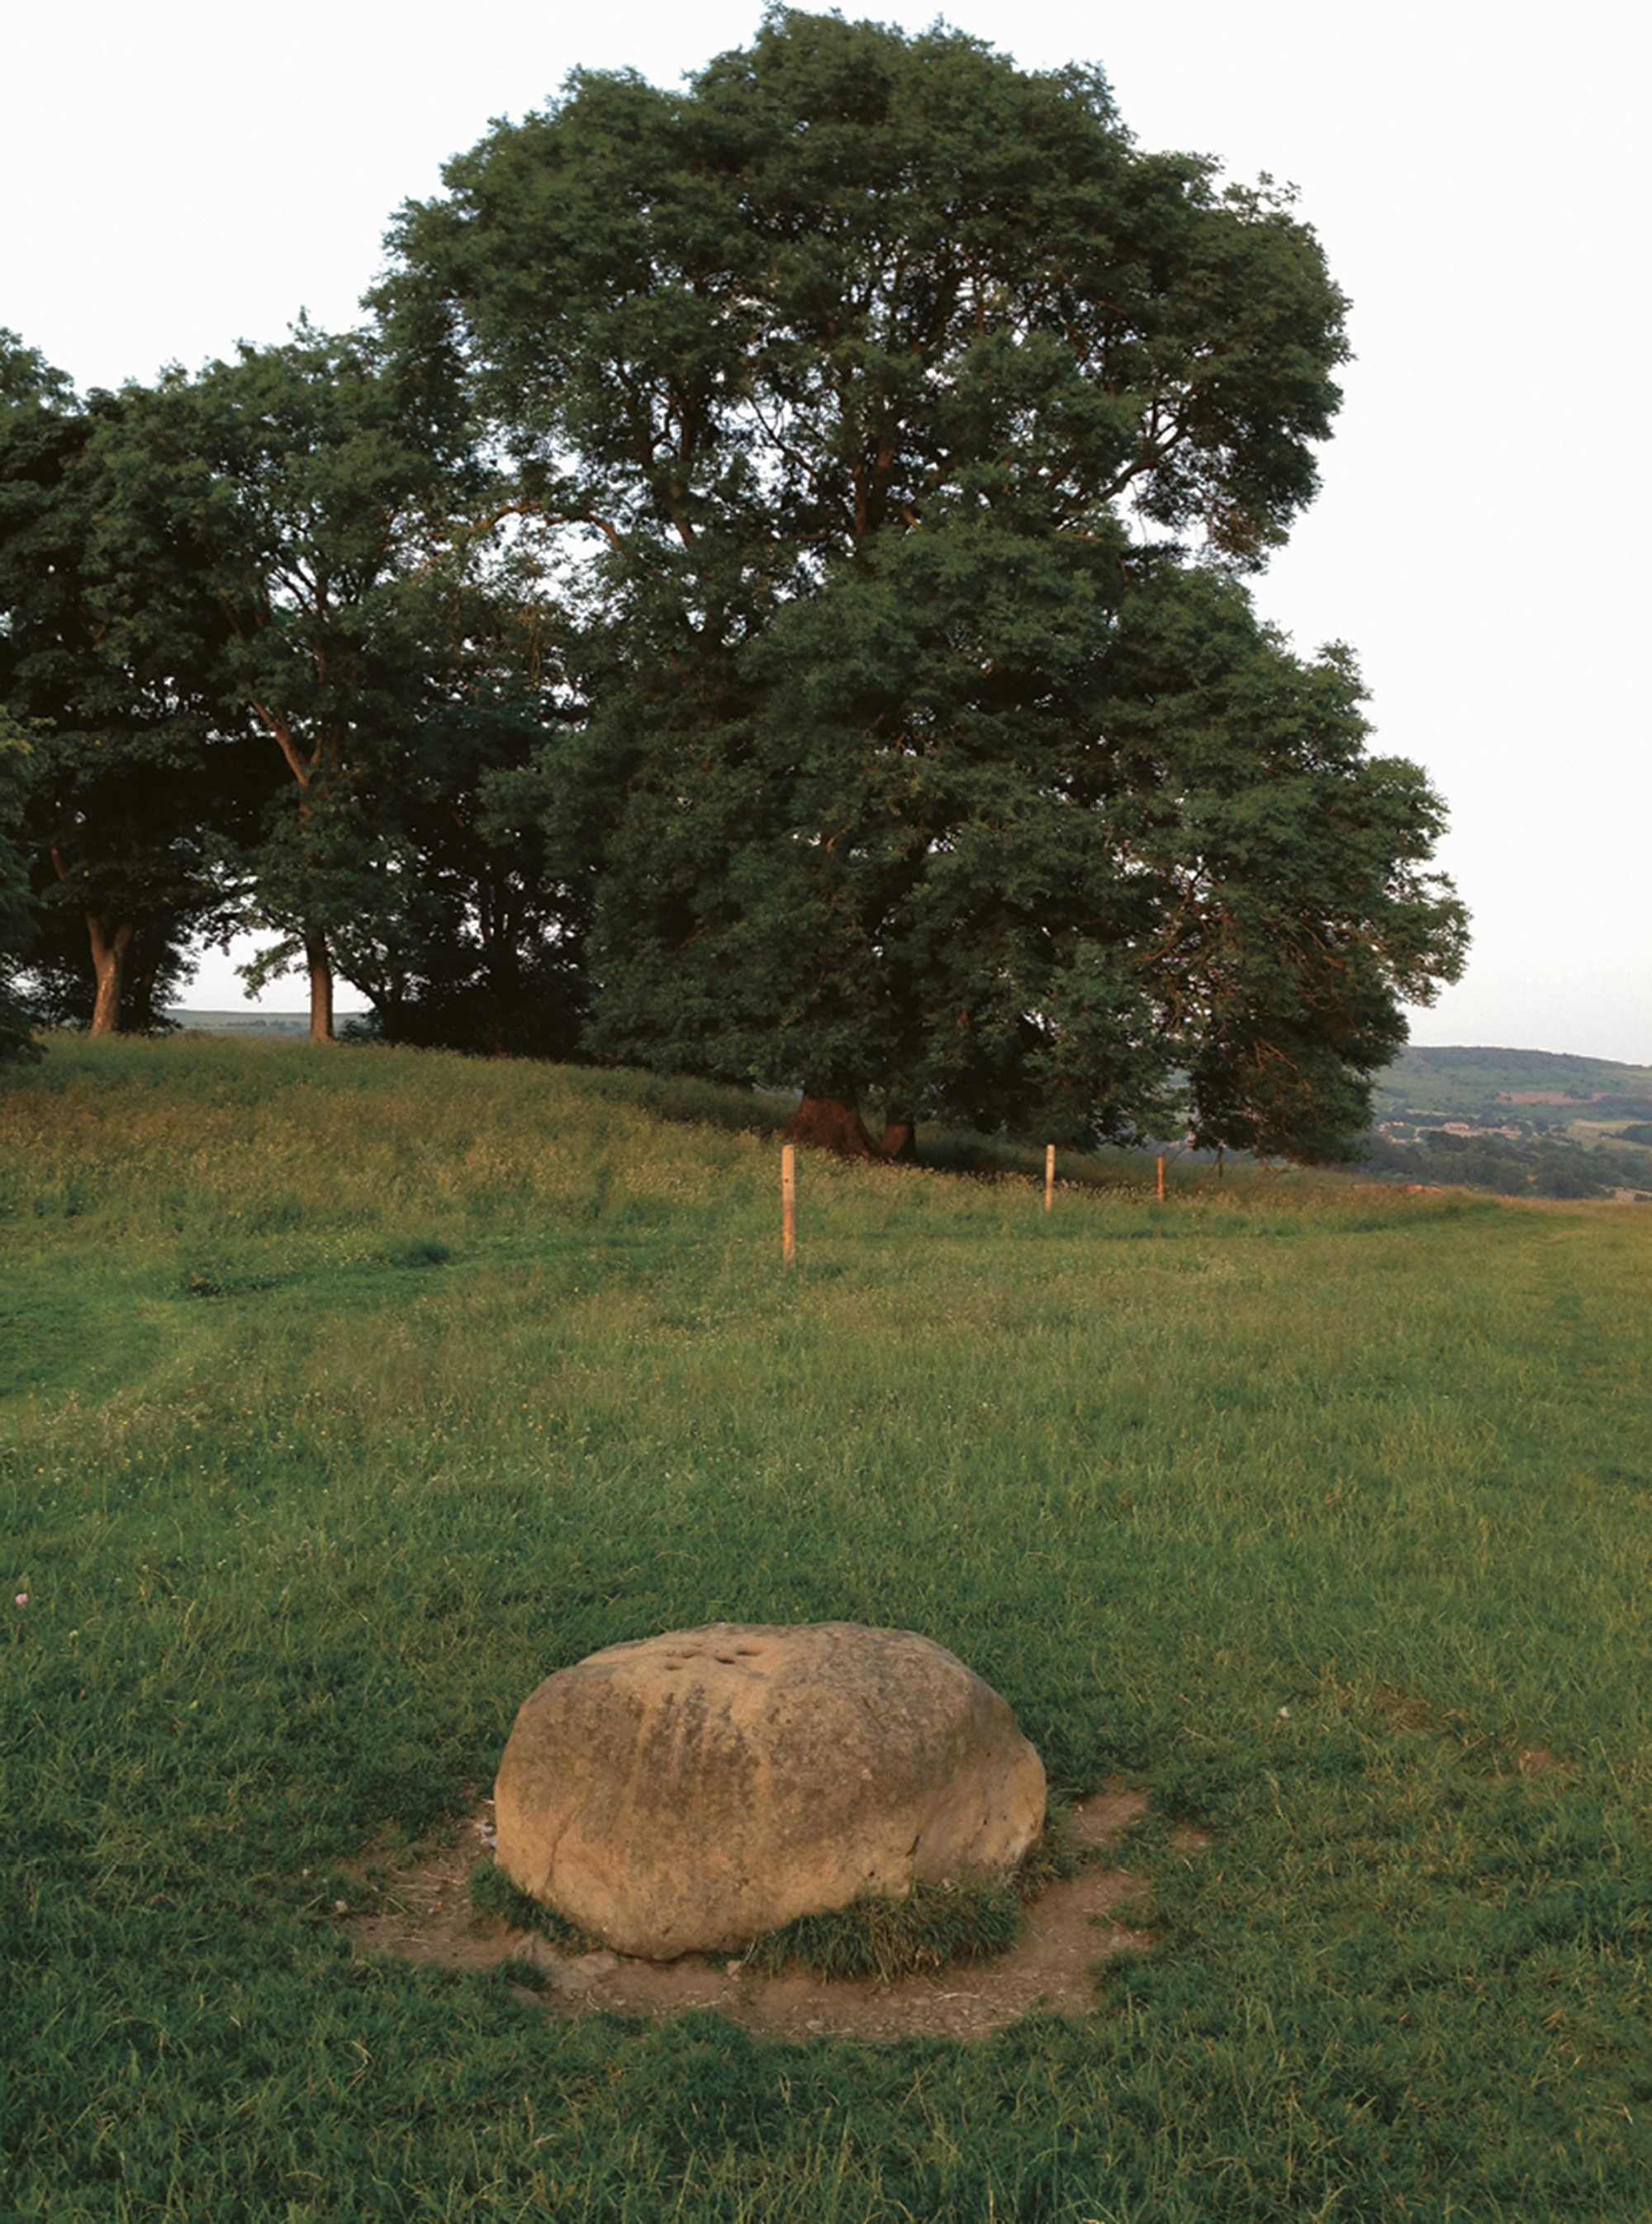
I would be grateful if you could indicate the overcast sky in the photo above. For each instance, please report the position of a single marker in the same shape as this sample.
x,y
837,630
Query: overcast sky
x,y
177,176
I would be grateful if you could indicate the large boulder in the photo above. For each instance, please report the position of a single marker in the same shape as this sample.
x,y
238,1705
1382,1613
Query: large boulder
x,y
684,1793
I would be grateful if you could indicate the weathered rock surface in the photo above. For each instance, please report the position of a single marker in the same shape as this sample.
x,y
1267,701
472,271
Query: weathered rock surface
x,y
683,1793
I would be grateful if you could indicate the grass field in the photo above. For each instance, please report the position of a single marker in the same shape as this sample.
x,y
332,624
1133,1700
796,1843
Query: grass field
x,y
346,1394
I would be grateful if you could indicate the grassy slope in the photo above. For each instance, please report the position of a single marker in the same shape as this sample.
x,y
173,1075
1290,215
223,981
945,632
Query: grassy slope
x,y
347,1393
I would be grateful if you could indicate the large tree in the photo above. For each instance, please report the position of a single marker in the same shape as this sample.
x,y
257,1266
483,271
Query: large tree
x,y
902,431
318,505
110,636
273,681
378,639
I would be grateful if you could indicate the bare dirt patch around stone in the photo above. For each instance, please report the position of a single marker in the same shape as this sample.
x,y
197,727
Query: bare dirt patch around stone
x,y
426,1915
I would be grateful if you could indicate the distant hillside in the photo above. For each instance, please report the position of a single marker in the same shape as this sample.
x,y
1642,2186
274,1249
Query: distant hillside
x,y
1520,1123
1492,1087
285,1025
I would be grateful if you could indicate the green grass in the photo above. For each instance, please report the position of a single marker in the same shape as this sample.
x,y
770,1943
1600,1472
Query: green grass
x,y
888,1939
498,1901
345,1395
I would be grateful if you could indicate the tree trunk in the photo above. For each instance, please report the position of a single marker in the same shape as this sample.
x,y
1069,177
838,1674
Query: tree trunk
x,y
109,964
320,963
828,1123
900,1138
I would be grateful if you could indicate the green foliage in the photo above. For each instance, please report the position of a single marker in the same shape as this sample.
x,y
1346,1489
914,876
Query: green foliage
x,y
894,425
322,490
16,1039
380,652
108,629
1545,1166
763,603
276,691
1316,1510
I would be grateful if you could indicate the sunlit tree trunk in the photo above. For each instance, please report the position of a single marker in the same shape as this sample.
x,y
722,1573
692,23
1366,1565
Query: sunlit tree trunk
x,y
319,960
109,964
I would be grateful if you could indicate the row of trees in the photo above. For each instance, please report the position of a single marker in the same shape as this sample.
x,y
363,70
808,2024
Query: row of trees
x,y
264,672
1534,1164
764,597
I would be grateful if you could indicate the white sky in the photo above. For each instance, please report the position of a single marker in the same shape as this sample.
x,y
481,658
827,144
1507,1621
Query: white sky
x,y
180,175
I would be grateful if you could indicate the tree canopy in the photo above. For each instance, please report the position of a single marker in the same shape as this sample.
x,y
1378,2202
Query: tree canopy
x,y
765,597
244,611
107,632
899,431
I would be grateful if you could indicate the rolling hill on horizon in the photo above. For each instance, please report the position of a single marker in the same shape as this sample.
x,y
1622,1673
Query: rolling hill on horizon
x,y
1494,1084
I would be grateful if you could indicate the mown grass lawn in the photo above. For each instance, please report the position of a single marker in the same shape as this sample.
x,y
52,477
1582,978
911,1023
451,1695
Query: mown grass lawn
x,y
345,1395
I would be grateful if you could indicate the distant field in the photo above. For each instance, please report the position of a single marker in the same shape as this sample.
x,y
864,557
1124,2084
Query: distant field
x,y
257,1026
346,1395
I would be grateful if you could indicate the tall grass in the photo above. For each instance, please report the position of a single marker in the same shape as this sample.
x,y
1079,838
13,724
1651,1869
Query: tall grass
x,y
344,1395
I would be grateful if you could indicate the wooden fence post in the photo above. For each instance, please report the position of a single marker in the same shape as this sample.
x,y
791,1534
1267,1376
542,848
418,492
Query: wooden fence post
x,y
1161,1177
788,1203
1049,1175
